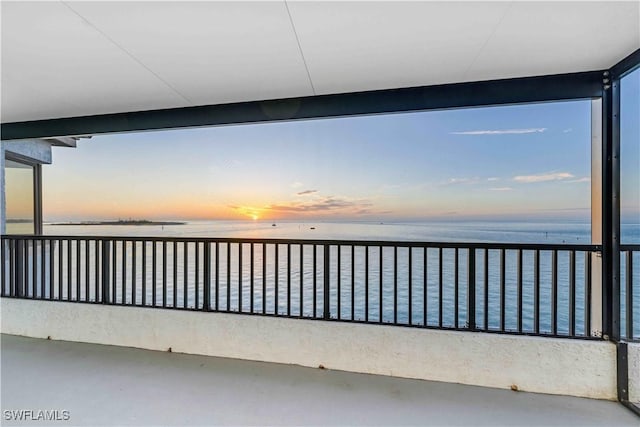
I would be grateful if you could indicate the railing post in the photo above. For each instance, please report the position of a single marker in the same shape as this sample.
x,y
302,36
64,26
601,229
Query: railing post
x,y
325,293
19,268
206,271
471,290
106,270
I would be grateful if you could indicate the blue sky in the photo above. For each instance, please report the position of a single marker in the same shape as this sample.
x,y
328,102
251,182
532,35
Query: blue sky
x,y
520,161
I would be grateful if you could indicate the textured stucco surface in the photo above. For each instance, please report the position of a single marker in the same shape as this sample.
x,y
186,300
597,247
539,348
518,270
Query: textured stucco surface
x,y
554,366
108,385
633,355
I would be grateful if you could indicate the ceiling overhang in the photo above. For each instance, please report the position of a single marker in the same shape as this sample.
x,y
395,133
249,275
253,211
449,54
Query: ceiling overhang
x,y
122,60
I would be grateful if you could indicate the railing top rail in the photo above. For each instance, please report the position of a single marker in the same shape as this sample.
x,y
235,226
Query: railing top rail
x,y
630,247
332,242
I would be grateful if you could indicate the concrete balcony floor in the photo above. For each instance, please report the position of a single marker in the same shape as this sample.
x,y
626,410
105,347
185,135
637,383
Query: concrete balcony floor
x,y
106,385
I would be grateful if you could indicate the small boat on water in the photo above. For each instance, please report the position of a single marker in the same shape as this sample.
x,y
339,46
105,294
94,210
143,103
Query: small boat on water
x,y
313,228
273,225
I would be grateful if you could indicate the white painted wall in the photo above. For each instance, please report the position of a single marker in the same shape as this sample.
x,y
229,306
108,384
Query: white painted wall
x,y
633,356
544,365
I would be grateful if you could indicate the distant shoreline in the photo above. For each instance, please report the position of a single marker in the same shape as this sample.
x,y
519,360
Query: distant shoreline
x,y
121,222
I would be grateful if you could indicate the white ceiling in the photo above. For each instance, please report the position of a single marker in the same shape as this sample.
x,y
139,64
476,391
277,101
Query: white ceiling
x,y
64,59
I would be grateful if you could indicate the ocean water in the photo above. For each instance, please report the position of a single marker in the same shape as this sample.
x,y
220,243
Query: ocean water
x,y
418,286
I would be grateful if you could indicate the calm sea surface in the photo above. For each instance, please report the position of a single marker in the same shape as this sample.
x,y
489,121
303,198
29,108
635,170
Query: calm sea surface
x,y
359,287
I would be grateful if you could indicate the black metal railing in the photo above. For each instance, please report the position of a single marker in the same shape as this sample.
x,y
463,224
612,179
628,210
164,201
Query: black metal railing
x,y
538,289
629,292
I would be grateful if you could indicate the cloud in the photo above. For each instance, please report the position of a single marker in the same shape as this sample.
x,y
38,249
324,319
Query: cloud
x,y
500,131
501,189
493,179
321,205
305,192
454,181
583,179
296,184
543,177
567,130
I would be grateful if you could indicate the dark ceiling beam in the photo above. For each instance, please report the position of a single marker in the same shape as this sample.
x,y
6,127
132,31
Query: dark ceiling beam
x,y
473,94
626,66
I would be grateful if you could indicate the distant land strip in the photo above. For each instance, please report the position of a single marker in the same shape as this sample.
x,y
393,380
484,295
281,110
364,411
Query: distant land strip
x,y
122,222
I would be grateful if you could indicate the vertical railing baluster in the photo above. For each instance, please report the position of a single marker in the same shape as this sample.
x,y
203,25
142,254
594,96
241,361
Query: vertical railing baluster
x,y
34,270
366,283
206,276
106,270
572,293
96,271
315,281
395,284
252,278
486,289
554,292
20,268
326,307
425,285
144,273
471,289
114,273
629,293
196,274
339,289
264,278
587,294
301,279
154,272
42,266
353,283
3,259
60,270
24,253
217,274
185,275
69,273
440,288
503,289
520,290
228,307
536,293
240,270
124,272
12,268
87,273
288,279
410,293
164,273
174,282
78,275
52,271
381,286
456,287
134,262
276,277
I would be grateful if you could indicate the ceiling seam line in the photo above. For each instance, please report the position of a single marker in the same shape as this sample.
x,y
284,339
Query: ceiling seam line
x,y
129,54
486,42
304,60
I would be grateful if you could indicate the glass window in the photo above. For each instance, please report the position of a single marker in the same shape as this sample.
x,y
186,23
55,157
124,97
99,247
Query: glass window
x,y
19,193
630,158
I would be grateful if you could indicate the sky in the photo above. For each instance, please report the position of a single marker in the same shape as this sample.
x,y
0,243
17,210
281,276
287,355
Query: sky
x,y
510,162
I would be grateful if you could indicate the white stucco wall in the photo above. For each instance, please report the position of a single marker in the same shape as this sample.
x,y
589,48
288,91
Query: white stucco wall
x,y
633,356
555,366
